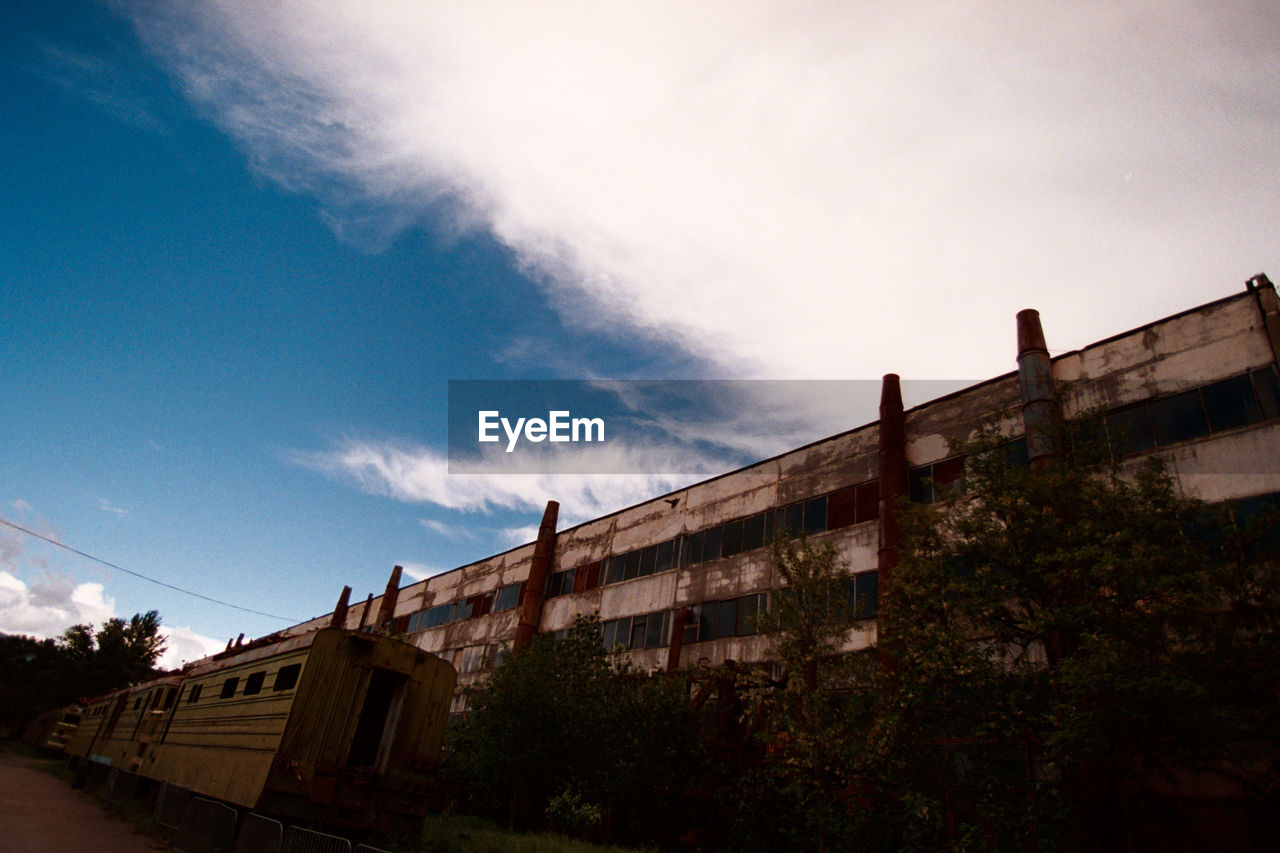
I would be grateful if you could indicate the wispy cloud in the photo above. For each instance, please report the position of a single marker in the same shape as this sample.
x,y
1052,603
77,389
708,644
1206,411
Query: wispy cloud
x,y
110,508
421,475
113,87
798,190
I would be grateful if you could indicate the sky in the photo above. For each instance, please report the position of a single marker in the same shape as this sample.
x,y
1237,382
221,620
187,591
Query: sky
x,y
244,247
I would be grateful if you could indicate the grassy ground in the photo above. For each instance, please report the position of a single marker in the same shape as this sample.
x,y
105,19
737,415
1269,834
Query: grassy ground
x,y
460,834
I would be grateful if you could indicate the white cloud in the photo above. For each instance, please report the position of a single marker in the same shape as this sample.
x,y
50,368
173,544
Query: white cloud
x,y
421,475
449,531
108,507
789,189
51,604
420,571
183,645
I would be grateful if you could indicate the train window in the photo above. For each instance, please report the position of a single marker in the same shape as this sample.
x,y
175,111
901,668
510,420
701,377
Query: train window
x,y
194,696
287,677
137,703
169,696
229,687
253,684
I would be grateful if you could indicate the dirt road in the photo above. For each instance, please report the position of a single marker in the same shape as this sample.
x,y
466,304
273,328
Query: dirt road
x,y
42,814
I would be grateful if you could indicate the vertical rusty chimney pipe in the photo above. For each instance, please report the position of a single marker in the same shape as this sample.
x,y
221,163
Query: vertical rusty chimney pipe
x,y
677,639
544,549
339,619
893,486
364,612
387,607
1035,380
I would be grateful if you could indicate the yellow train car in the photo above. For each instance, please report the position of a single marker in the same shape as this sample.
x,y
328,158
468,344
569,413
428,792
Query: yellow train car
x,y
335,726
119,729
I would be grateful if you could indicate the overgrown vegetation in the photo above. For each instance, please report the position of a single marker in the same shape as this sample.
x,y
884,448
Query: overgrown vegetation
x,y
567,737
1065,641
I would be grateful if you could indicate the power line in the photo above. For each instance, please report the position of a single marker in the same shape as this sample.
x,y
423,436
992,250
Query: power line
x,y
65,547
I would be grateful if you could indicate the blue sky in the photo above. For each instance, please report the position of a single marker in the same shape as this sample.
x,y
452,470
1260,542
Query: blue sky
x,y
245,246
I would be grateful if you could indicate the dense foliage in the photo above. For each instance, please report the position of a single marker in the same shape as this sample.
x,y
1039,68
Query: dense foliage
x,y
566,736
1066,642
40,674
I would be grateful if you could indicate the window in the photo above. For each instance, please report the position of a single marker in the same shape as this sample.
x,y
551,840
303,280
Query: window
x,y
1129,431
753,532
711,543
287,677
731,539
229,687
665,556
561,583
194,696
929,483
815,515
507,598
692,551
648,559
865,594
253,684
1178,418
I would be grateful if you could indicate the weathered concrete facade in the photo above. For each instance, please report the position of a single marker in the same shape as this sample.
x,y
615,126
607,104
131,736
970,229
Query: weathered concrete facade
x,y
1199,387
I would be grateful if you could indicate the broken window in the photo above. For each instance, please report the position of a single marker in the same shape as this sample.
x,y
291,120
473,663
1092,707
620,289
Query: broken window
x,y
229,687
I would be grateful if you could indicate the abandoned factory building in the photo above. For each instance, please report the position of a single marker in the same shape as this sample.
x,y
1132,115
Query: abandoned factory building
x,y
677,580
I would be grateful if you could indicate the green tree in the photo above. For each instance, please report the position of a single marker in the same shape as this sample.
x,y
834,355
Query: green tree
x,y
801,793
40,674
1062,638
564,734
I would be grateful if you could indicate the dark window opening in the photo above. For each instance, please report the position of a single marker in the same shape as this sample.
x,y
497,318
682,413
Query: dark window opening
x,y
1231,403
711,543
692,551
1178,418
868,501
731,539
842,508
253,684
229,687
287,677
753,532
815,515
665,556
1129,431
648,559
631,565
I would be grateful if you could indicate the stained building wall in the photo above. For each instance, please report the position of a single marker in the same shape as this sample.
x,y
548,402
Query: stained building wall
x,y
635,568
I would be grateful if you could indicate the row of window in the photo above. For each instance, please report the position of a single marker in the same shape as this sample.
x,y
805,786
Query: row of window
x,y
842,508
167,695
734,617
1239,401
1228,404
503,599
286,679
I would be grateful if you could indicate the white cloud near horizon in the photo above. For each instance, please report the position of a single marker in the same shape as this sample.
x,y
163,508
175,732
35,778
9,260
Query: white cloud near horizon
x,y
801,190
421,475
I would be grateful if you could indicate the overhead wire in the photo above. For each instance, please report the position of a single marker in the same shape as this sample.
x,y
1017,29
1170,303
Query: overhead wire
x,y
109,564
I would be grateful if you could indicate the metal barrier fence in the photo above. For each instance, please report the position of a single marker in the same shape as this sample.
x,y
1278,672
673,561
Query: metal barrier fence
x,y
259,834
171,804
207,827
122,786
299,840
108,784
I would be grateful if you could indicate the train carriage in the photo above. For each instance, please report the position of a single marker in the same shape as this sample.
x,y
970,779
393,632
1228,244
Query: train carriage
x,y
120,728
335,726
